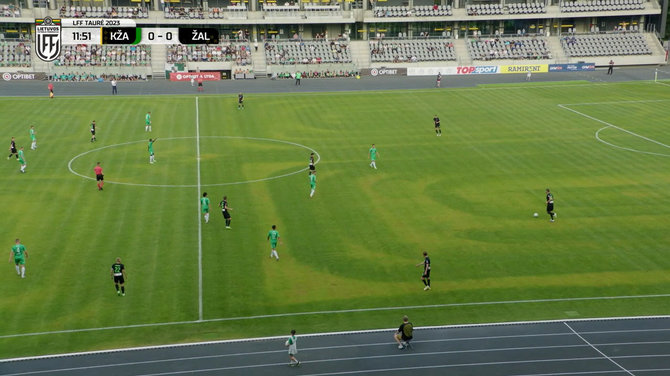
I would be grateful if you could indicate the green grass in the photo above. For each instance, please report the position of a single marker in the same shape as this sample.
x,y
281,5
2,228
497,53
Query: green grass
x,y
466,197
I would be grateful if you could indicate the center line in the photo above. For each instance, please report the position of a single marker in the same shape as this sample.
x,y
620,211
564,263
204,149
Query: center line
x,y
197,154
600,352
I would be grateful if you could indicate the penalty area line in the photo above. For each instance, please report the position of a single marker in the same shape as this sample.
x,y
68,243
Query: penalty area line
x,y
354,310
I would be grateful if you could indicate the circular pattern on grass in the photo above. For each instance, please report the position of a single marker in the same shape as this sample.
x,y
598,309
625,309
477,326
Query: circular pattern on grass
x,y
318,158
597,135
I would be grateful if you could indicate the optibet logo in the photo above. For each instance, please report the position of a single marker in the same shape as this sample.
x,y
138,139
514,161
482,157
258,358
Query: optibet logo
x,y
47,38
6,76
374,72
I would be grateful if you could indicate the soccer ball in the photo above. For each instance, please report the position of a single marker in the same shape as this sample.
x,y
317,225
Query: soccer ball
x,y
535,215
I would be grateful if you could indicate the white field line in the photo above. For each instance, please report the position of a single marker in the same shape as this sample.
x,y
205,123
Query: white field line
x,y
597,135
197,158
614,102
375,309
384,370
599,352
610,125
591,372
318,158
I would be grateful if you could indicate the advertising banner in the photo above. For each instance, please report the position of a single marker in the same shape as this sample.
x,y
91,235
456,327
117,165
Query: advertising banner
x,y
14,76
430,71
578,67
525,68
478,69
186,76
376,72
450,71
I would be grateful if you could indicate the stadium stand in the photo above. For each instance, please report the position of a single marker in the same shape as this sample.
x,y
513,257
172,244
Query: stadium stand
x,y
103,12
307,52
104,56
90,77
392,11
618,44
418,11
229,12
315,10
286,10
317,74
600,5
518,47
183,13
15,54
9,11
239,53
526,8
484,9
412,51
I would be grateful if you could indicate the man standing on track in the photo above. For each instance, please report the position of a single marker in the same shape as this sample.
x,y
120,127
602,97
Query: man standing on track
x,y
292,344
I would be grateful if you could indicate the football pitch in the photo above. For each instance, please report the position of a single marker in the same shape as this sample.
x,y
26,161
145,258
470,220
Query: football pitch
x,y
348,254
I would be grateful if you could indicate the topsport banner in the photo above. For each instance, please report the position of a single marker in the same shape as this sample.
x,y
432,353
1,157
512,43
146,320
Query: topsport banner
x,y
448,71
533,68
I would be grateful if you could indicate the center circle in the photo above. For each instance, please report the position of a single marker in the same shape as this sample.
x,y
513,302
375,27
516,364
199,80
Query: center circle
x,y
318,158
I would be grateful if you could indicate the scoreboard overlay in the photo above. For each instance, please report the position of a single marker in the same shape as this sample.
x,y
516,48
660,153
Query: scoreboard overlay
x,y
52,33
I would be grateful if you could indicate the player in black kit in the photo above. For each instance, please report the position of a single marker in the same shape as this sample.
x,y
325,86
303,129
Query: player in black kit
x,y
225,210
12,149
550,205
93,139
240,101
119,276
425,277
438,131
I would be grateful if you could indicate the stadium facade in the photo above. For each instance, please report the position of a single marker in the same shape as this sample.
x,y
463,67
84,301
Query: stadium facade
x,y
391,37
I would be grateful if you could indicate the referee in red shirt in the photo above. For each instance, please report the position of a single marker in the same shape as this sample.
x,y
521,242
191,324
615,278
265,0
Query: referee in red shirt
x,y
99,176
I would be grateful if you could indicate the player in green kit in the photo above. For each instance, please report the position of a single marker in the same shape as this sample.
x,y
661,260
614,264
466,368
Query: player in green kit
x,y
373,156
312,183
22,160
147,122
20,255
273,237
150,147
33,138
204,204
